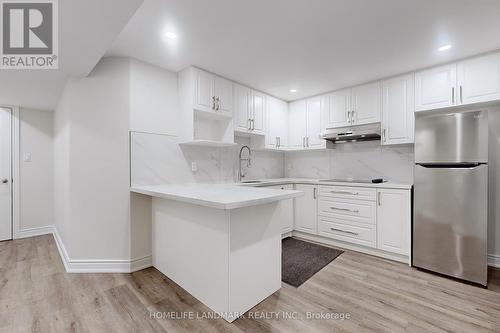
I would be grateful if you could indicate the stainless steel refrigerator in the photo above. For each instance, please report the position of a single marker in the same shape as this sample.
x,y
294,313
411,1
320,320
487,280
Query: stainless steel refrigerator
x,y
451,195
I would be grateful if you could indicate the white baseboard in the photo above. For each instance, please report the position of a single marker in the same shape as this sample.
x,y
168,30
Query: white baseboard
x,y
494,260
31,232
99,265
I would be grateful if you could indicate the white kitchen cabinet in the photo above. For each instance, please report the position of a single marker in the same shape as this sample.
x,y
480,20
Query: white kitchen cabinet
x,y
276,124
241,108
297,131
306,209
398,110
436,87
257,112
213,93
366,104
393,220
315,108
478,79
337,114
286,213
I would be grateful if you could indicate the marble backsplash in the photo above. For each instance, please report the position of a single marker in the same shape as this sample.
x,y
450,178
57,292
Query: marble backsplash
x,y
360,160
159,159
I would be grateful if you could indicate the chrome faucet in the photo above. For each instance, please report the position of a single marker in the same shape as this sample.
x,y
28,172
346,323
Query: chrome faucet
x,y
248,159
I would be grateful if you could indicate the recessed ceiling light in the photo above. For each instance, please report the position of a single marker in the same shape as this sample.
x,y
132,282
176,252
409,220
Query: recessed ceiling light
x,y
170,35
444,48
293,90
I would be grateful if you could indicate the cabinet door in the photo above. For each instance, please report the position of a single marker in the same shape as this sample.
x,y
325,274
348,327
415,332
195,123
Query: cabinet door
x,y
297,125
337,113
204,95
277,123
435,88
223,92
397,110
286,213
258,112
315,107
479,79
306,209
393,221
241,108
366,103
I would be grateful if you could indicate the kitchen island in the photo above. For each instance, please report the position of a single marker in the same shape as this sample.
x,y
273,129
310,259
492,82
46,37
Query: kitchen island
x,y
220,242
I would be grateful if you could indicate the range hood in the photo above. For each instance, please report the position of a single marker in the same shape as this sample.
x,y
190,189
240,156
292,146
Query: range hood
x,y
352,133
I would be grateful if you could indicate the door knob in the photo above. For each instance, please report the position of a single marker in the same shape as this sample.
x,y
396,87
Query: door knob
x,y
5,181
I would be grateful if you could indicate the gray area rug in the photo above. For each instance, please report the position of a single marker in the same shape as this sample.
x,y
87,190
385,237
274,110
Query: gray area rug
x,y
301,260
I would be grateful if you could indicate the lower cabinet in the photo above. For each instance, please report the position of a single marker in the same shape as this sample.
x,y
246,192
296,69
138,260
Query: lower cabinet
x,y
286,213
306,209
393,220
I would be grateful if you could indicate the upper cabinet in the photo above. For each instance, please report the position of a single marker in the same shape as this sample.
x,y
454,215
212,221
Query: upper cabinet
x,y
435,88
355,106
276,123
397,110
297,130
470,81
479,79
305,123
249,110
366,104
213,93
257,107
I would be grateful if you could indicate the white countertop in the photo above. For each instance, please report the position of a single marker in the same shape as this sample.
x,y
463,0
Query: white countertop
x,y
220,196
283,181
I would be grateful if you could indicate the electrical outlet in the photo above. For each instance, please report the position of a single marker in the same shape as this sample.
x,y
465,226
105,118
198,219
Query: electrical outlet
x,y
27,157
194,166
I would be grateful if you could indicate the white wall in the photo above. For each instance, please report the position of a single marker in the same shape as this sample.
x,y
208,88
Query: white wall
x,y
36,176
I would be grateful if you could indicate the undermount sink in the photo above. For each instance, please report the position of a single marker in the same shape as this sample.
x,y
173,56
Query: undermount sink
x,y
251,181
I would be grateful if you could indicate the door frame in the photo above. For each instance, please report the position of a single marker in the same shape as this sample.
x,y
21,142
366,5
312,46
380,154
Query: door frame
x,y
15,169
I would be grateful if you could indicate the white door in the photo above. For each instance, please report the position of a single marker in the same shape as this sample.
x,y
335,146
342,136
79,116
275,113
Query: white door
x,y
277,123
340,106
204,96
241,108
366,103
223,92
398,110
315,107
479,79
286,214
436,88
5,174
297,125
393,221
258,116
306,209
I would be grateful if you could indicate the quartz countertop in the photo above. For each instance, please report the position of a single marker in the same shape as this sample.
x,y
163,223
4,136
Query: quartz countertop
x,y
283,181
220,196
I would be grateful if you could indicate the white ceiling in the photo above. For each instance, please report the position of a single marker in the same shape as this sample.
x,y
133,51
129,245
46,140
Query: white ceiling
x,y
315,45
86,30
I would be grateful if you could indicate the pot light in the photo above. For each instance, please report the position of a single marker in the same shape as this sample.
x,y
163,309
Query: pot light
x,y
444,48
170,35
293,90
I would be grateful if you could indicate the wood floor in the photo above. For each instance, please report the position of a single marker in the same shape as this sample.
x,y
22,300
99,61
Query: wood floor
x,y
36,295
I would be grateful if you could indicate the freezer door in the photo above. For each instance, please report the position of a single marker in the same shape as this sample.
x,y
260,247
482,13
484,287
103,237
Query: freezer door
x,y
450,221
452,138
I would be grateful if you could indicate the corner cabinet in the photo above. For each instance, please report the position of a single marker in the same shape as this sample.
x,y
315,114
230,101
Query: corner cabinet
x,y
306,209
305,123
276,123
398,116
393,220
213,93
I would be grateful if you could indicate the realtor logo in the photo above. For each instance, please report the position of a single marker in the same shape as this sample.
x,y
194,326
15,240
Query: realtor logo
x,y
29,34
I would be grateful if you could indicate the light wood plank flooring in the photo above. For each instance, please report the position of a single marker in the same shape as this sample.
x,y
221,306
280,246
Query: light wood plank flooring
x,y
36,295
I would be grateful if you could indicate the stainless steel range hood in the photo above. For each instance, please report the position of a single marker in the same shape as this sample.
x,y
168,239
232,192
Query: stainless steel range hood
x,y
352,133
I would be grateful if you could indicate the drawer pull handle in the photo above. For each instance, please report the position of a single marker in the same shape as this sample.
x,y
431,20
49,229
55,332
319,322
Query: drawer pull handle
x,y
345,209
346,232
345,192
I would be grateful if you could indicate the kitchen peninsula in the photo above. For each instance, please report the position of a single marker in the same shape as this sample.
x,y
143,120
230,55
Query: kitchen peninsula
x,y
220,242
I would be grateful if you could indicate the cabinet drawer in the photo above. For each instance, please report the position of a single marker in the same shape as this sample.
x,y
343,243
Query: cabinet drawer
x,y
347,231
345,192
365,211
